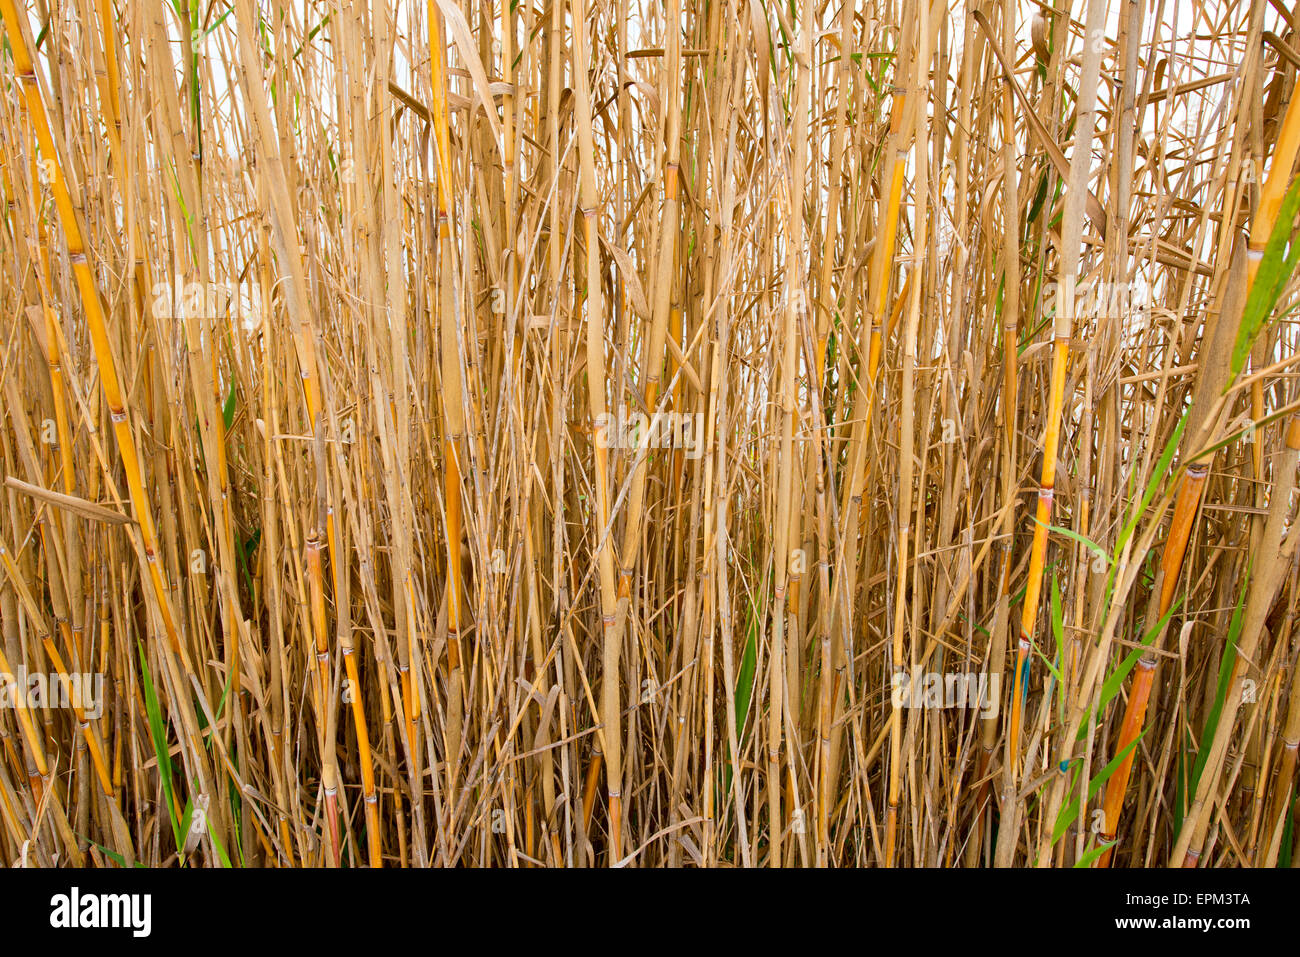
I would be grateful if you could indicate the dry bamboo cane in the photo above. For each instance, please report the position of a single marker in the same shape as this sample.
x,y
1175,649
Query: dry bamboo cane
x,y
284,235
1193,481
612,640
716,498
1180,527
1274,559
776,665
79,256
906,426
828,306
784,603
1283,796
1063,328
788,705
452,400
663,291
653,360
1010,253
331,526
842,598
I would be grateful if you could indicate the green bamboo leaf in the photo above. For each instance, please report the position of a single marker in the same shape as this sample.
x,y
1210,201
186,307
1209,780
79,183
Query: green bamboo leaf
x,y
113,856
1083,540
745,675
1110,687
228,410
1159,473
216,842
158,737
1274,271
1071,811
1094,853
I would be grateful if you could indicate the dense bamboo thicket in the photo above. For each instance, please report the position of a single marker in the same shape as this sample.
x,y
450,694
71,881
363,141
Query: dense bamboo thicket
x,y
618,433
